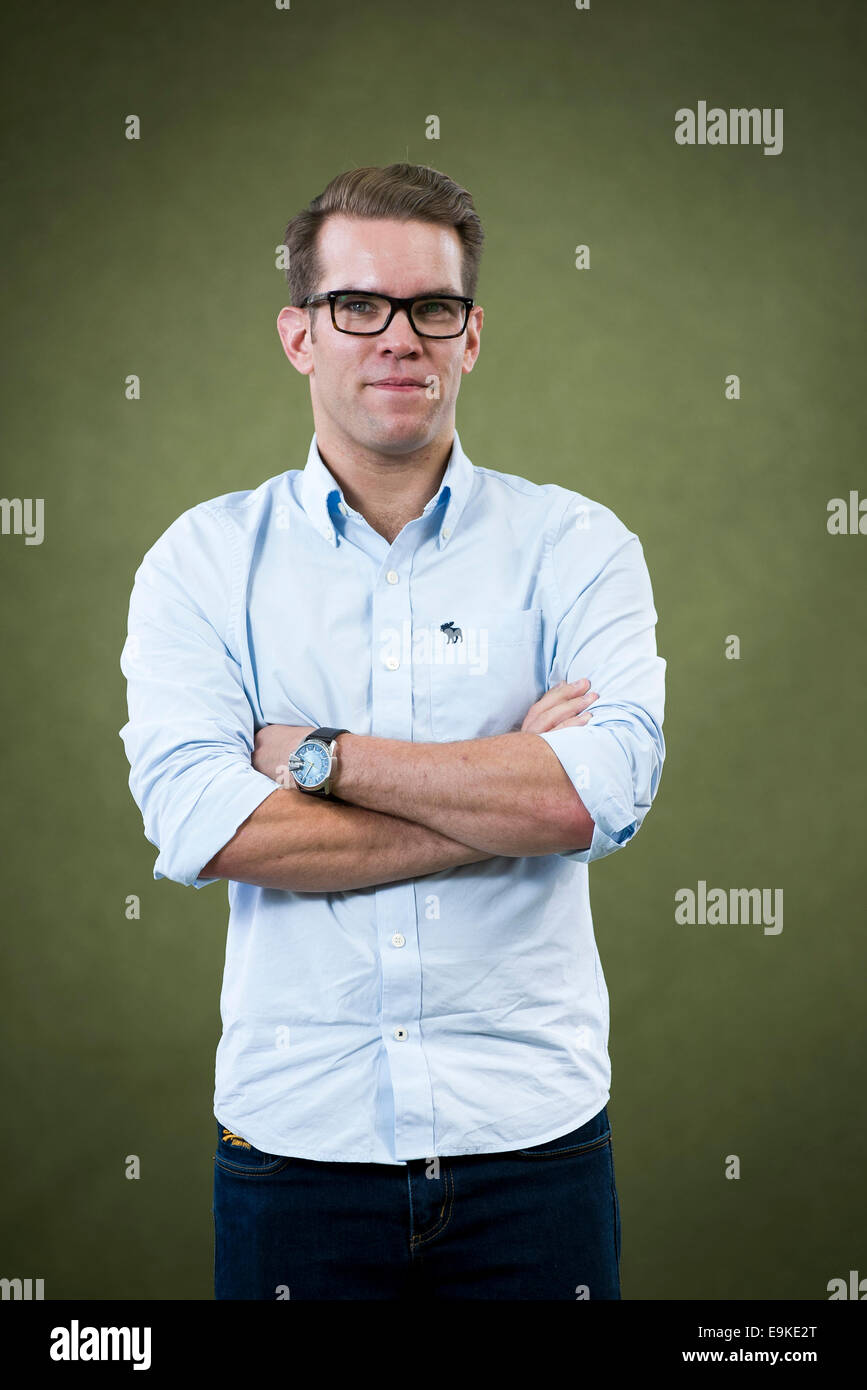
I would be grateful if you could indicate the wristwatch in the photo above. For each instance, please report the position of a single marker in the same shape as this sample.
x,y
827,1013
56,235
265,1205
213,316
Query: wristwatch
x,y
312,763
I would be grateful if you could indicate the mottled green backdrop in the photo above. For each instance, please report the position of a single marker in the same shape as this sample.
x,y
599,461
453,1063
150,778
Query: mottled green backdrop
x,y
156,257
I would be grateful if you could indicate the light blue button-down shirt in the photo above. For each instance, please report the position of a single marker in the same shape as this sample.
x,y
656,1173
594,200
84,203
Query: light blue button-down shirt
x,y
464,1011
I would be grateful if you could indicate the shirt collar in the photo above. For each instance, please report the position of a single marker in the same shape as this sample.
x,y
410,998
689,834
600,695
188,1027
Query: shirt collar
x,y
320,491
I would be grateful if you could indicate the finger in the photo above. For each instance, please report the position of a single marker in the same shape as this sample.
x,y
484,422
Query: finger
x,y
562,690
540,723
581,720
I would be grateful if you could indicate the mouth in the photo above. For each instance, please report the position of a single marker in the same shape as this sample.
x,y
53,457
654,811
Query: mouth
x,y
398,384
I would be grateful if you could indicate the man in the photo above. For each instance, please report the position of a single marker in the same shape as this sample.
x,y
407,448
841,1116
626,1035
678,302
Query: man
x,y
412,1079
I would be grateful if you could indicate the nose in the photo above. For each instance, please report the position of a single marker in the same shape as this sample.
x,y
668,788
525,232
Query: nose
x,y
400,334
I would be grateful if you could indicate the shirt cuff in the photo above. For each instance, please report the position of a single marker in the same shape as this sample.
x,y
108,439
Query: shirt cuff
x,y
599,770
196,843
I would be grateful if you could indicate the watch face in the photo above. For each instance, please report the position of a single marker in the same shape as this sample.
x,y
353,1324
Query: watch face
x,y
316,764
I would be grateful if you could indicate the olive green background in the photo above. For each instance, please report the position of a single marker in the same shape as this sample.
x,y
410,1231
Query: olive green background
x,y
156,257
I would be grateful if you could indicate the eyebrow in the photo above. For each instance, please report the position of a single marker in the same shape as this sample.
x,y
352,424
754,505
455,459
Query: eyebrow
x,y
355,289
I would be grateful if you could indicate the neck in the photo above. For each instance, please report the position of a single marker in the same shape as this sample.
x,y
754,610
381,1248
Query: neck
x,y
387,489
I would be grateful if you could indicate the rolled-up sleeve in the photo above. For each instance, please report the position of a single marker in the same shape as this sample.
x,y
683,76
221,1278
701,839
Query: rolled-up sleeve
x,y
607,632
189,736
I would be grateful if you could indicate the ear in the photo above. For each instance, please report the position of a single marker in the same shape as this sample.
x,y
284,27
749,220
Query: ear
x,y
473,337
293,326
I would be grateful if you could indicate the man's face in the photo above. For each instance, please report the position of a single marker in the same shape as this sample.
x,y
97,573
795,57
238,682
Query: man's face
x,y
349,374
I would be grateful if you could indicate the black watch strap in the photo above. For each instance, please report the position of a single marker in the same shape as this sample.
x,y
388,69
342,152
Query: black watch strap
x,y
327,734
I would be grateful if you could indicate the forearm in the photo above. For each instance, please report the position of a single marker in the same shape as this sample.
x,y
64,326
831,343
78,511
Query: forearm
x,y
301,843
507,794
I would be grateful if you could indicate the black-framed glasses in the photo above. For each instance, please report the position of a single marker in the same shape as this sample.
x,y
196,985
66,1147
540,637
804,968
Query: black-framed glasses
x,y
360,312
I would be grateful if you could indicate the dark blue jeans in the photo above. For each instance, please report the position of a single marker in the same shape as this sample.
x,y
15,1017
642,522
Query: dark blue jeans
x,y
540,1223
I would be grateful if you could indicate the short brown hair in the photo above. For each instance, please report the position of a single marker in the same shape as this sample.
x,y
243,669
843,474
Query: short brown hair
x,y
401,192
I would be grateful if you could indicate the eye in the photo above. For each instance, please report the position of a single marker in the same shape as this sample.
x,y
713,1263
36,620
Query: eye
x,y
356,306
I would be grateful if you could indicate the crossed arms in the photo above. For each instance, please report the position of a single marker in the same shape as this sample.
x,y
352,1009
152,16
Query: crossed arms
x,y
408,809
207,785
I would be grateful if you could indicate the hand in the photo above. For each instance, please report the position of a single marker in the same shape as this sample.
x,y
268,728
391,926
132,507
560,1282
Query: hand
x,y
560,707
272,746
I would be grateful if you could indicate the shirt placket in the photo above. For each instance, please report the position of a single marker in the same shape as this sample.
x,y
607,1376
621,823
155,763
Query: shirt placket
x,y
396,917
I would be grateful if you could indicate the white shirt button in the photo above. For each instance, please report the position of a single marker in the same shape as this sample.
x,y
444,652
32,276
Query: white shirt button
x,y
400,1035
342,507
392,576
392,663
398,939
446,533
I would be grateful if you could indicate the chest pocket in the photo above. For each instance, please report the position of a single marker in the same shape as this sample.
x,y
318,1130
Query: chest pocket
x,y
483,670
